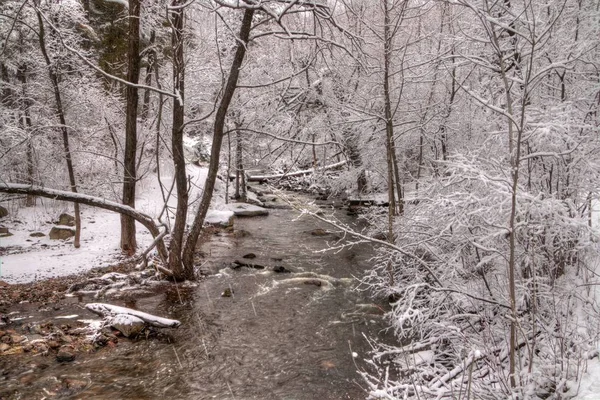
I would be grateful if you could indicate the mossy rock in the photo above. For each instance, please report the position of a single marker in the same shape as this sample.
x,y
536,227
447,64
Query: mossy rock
x,y
58,233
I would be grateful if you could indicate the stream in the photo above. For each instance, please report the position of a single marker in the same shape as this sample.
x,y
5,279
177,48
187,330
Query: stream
x,y
246,333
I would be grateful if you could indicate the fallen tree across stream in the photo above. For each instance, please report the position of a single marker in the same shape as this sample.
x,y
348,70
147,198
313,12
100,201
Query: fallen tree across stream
x,y
263,178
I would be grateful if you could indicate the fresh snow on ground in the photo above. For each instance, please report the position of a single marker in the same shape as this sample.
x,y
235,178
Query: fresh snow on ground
x,y
25,259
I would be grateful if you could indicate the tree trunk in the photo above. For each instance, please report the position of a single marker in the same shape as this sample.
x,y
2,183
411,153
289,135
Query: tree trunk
x,y
63,124
25,119
175,252
240,185
213,168
148,80
128,240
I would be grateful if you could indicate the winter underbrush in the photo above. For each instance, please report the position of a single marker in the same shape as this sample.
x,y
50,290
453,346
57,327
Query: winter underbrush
x,y
447,277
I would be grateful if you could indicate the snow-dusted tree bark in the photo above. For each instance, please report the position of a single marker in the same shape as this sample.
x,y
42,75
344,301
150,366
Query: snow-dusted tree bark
x,y
177,42
60,113
213,168
128,240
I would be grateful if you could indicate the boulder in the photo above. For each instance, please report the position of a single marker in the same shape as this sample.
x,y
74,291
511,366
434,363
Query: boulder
x,y
219,218
4,232
65,354
246,210
60,233
3,212
37,234
128,325
66,220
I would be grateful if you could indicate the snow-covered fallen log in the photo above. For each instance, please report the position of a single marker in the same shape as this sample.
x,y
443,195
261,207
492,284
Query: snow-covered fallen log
x,y
109,310
262,178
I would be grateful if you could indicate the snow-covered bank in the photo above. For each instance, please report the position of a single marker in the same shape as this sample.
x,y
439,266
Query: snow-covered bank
x,y
24,258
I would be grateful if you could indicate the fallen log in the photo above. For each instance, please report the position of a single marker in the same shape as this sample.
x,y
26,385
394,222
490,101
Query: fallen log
x,y
145,220
109,310
263,178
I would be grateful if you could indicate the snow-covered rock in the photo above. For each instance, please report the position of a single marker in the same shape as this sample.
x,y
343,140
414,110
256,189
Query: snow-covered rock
x,y
246,210
128,325
219,218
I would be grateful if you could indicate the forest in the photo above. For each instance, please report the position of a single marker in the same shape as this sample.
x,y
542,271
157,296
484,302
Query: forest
x,y
475,122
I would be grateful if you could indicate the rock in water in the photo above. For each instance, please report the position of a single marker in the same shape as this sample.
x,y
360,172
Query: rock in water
x,y
65,354
57,233
3,212
246,210
4,232
66,220
128,325
37,234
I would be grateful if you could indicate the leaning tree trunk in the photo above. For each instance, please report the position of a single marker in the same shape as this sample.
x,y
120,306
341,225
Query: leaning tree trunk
x,y
63,124
128,240
175,264
145,220
213,168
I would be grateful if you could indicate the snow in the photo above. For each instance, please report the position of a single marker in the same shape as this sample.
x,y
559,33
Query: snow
x,y
25,259
246,210
107,310
589,388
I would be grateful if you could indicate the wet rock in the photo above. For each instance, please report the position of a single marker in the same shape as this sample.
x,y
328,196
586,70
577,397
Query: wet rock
x,y
128,325
75,384
59,233
17,338
315,282
66,220
65,354
6,339
319,232
227,293
27,347
4,347
14,350
238,264
281,269
3,212
249,255
3,230
37,234
53,344
240,233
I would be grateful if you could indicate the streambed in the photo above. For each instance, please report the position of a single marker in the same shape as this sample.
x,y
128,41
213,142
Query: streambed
x,y
246,333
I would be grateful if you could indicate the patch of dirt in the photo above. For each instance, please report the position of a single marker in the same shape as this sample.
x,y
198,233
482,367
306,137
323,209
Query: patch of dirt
x,y
50,291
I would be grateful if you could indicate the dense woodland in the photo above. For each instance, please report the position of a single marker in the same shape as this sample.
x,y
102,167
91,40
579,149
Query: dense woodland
x,y
478,119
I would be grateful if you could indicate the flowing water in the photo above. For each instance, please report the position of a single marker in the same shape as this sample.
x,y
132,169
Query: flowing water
x,y
295,335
